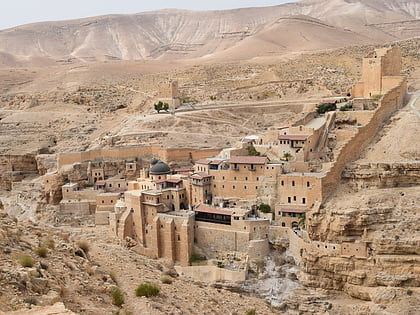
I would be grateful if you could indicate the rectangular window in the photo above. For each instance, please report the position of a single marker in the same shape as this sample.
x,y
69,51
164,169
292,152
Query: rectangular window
x,y
303,200
289,199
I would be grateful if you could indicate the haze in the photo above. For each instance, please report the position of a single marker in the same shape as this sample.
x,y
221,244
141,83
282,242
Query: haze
x,y
18,12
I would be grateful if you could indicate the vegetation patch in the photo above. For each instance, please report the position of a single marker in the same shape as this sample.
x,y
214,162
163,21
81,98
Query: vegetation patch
x,y
26,261
147,290
166,280
117,297
41,251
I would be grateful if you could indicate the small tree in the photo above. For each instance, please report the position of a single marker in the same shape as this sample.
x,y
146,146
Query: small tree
x,y
165,107
302,219
287,156
158,106
252,151
264,208
325,107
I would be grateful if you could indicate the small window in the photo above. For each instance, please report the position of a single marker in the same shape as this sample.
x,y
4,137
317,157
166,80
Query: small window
x,y
293,183
245,187
246,178
294,198
112,201
258,179
283,224
282,182
303,200
256,187
289,199
233,187
308,184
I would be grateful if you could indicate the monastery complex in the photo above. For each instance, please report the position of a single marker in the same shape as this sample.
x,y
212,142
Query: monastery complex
x,y
229,206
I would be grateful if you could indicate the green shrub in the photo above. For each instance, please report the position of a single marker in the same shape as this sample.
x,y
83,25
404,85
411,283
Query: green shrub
x,y
325,107
26,261
166,280
41,251
147,289
252,151
117,297
251,311
377,96
220,264
409,292
264,208
195,258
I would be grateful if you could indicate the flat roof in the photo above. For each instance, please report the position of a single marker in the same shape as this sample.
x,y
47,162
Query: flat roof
x,y
110,194
294,210
248,159
293,137
208,209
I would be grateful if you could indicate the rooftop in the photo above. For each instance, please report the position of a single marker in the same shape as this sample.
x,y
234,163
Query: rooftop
x,y
203,161
294,210
208,209
248,159
200,175
293,137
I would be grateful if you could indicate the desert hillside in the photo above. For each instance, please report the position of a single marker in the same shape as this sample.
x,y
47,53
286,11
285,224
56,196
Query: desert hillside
x,y
237,34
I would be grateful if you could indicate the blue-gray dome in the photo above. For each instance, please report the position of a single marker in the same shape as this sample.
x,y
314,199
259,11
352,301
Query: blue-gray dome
x,y
160,168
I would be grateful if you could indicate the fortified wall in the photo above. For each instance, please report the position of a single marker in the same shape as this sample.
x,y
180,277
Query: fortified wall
x,y
173,155
392,99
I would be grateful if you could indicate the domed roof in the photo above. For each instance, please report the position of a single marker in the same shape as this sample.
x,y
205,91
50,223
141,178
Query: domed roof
x,y
160,168
154,161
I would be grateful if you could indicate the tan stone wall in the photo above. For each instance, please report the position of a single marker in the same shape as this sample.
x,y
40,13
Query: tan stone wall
x,y
71,207
301,190
102,218
168,90
106,200
243,183
218,238
258,249
389,103
362,117
211,273
175,155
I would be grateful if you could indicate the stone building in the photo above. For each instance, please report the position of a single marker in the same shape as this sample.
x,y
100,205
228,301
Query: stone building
x,y
378,71
168,93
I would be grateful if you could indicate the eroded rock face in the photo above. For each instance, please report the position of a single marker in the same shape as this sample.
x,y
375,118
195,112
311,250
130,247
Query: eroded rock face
x,y
387,221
